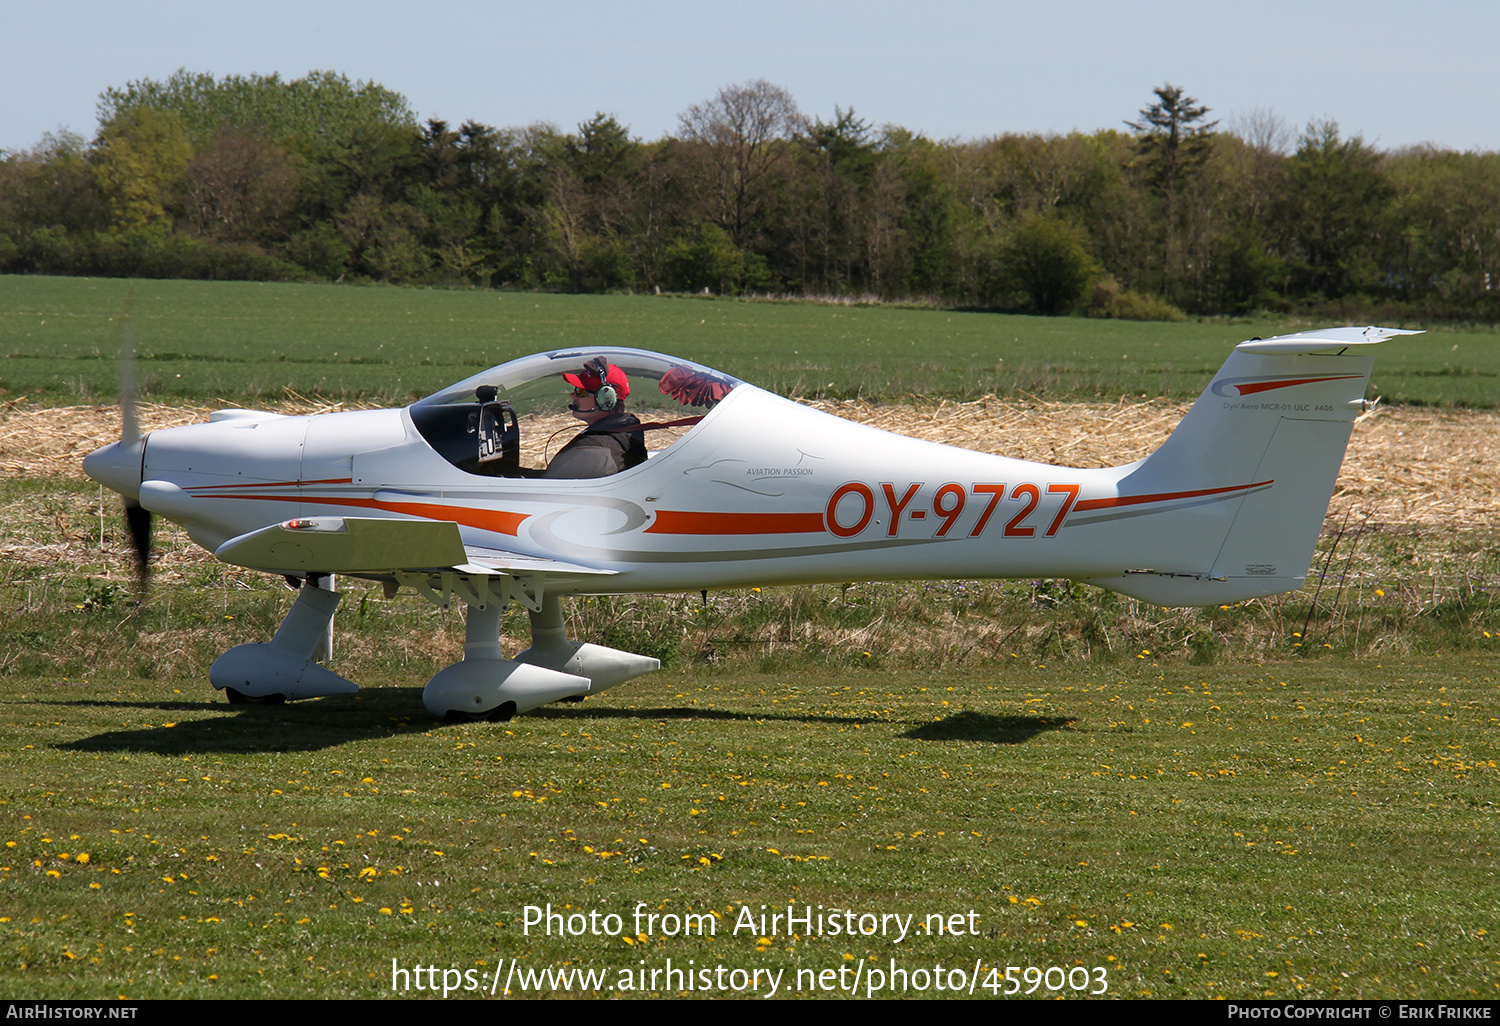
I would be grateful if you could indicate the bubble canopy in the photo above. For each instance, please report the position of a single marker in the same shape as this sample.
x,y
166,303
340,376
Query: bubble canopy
x,y
534,384
476,424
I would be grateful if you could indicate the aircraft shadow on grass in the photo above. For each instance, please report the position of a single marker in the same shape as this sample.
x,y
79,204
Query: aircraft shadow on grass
x,y
998,730
374,712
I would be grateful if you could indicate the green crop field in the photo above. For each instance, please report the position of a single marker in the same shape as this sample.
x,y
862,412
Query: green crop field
x,y
248,341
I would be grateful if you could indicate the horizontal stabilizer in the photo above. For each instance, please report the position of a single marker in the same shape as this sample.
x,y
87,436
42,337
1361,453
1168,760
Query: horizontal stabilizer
x,y
1321,341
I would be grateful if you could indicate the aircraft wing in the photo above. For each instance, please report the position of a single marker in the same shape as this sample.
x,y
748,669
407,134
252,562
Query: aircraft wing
x,y
373,545
501,561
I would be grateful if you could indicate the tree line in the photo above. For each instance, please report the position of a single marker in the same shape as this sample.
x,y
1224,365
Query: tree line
x,y
321,178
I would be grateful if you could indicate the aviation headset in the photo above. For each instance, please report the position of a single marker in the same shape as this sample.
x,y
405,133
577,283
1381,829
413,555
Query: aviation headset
x,y
606,396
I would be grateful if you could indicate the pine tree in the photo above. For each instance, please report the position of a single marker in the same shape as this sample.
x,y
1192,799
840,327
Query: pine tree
x,y
1172,142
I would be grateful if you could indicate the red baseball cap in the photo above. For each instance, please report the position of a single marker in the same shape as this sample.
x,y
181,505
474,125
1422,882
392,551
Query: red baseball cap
x,y
590,381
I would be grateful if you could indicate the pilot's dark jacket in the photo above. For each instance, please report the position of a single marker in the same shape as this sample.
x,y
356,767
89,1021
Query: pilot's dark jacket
x,y
601,449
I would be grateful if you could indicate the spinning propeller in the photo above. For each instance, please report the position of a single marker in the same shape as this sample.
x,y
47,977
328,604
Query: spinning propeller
x,y
137,517
118,466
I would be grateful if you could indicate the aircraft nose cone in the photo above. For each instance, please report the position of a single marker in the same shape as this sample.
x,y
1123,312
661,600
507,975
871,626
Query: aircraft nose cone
x,y
117,466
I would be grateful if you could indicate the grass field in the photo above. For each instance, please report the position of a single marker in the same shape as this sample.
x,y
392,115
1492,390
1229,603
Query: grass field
x,y
1293,797
247,341
1313,830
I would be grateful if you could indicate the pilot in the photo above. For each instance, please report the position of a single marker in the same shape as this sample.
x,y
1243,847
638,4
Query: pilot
x,y
612,440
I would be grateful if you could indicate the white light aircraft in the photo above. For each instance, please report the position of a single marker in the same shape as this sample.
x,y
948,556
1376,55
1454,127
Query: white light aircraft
x,y
758,490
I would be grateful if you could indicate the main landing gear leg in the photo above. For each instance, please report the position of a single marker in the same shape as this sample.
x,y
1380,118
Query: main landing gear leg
x,y
486,686
284,668
604,667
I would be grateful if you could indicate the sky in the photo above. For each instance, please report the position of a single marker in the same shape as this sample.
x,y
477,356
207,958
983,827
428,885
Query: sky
x,y
1397,74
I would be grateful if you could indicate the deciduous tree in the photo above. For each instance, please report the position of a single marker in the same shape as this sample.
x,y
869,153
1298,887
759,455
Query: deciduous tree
x,y
143,157
239,185
737,144
1047,259
1334,198
322,105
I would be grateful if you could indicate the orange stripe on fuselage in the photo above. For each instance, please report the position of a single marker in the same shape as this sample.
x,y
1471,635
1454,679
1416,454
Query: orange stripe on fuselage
x,y
1135,500
675,521
498,521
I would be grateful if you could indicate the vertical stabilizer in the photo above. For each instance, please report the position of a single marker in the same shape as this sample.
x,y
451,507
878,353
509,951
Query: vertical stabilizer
x,y
1270,428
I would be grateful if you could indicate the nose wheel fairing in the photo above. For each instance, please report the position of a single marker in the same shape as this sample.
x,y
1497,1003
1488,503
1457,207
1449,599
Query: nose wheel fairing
x,y
285,666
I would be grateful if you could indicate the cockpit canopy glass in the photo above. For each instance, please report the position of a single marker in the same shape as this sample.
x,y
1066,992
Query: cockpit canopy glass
x,y
512,418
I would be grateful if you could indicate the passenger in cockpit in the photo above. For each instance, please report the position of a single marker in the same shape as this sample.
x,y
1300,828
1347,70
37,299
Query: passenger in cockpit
x,y
612,440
